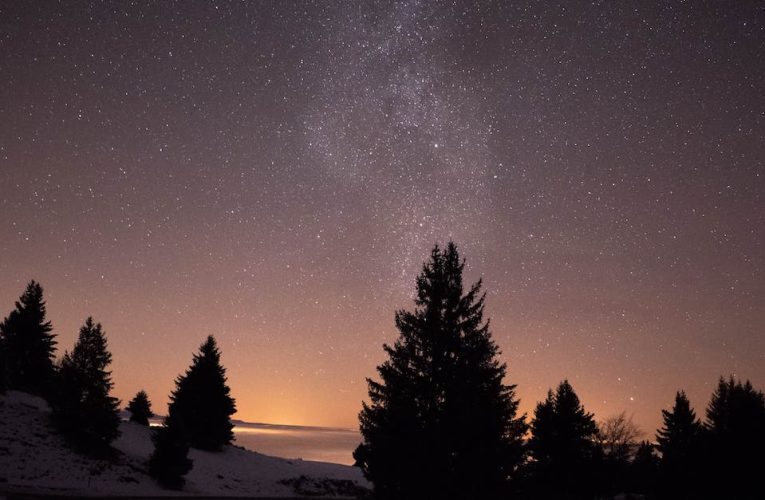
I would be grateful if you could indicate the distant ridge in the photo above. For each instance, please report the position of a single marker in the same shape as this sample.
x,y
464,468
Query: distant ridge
x,y
262,425
157,420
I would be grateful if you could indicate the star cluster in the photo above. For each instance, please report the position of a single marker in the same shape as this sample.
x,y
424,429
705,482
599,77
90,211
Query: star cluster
x,y
275,173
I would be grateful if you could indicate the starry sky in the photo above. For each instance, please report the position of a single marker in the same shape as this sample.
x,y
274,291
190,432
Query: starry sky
x,y
275,173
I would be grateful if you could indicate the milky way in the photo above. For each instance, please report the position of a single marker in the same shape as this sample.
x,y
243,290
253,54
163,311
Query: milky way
x,y
275,173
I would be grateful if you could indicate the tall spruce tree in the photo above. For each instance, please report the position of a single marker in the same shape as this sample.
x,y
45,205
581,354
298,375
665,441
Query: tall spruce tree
x,y
735,421
678,438
201,404
83,406
140,408
28,346
679,441
441,422
563,445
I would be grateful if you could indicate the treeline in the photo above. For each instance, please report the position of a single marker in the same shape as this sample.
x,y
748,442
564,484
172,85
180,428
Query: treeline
x,y
78,388
442,423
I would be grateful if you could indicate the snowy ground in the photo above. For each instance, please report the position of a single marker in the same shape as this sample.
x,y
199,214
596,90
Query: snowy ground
x,y
33,458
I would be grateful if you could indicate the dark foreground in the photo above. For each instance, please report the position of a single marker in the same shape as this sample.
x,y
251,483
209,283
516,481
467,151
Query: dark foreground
x,y
36,496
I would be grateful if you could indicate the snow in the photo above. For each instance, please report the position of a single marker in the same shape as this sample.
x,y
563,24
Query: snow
x,y
34,458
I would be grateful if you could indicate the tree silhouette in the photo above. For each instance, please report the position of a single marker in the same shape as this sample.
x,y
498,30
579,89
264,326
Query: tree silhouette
x,y
735,419
169,461
678,438
563,445
83,406
28,346
441,422
679,441
201,405
617,437
140,408
644,469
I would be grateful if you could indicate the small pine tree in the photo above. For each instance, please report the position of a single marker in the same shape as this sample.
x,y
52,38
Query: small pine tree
x,y
83,407
28,345
140,408
563,444
644,469
201,403
441,423
169,462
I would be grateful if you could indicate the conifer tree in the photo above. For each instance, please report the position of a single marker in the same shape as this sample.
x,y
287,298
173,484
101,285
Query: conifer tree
x,y
678,438
735,420
28,346
563,444
169,461
441,423
736,410
83,406
679,441
644,469
140,408
201,404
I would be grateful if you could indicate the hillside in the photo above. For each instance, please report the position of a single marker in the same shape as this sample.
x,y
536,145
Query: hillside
x,y
34,458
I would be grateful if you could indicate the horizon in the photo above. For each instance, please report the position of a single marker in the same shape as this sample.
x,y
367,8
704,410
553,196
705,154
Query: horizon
x,y
275,175
524,408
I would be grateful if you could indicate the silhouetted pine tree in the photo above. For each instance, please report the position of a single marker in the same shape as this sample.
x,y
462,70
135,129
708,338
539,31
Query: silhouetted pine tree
x,y
644,469
563,446
679,442
201,404
140,408
28,345
170,462
736,430
441,423
83,407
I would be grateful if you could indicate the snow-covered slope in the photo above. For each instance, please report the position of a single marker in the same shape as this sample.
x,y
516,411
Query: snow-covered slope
x,y
34,458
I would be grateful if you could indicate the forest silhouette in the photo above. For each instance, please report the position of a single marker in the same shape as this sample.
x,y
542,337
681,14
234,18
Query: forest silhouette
x,y
441,420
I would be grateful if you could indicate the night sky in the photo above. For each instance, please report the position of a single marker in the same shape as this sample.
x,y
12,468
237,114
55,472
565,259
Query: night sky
x,y
275,173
